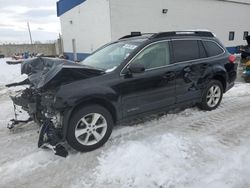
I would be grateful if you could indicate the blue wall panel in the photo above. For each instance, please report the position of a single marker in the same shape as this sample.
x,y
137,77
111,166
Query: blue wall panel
x,y
66,5
233,50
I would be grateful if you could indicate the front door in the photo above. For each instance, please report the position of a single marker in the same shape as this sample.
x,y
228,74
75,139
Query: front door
x,y
153,89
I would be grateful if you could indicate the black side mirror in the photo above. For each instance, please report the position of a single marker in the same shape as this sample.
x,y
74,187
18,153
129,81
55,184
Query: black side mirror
x,y
136,68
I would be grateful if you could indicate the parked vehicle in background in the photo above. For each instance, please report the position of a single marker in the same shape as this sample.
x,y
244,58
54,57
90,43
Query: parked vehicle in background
x,y
246,72
2,56
137,75
245,50
245,60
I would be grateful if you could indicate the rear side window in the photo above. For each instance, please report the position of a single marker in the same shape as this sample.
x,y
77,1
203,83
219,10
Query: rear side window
x,y
185,50
212,48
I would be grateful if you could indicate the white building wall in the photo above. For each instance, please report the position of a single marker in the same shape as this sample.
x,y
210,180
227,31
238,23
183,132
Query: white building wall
x,y
88,24
146,16
96,22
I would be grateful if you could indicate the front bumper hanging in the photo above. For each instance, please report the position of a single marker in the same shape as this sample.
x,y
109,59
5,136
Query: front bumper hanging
x,y
49,138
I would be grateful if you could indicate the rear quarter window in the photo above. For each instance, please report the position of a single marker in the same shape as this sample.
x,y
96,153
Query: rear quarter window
x,y
212,48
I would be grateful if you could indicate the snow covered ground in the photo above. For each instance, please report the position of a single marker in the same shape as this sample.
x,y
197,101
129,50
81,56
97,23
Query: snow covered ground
x,y
191,148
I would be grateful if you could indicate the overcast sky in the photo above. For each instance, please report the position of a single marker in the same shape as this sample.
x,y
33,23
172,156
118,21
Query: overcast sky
x,y
41,14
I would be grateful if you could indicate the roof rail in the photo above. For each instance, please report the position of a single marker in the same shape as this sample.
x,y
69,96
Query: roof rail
x,y
183,33
136,34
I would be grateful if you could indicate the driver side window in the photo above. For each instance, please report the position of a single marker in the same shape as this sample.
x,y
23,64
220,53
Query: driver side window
x,y
154,56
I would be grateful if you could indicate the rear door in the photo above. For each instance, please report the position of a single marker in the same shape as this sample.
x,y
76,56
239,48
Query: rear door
x,y
187,53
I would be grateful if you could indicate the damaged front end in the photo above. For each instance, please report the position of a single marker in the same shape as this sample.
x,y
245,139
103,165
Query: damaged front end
x,y
45,76
38,106
27,100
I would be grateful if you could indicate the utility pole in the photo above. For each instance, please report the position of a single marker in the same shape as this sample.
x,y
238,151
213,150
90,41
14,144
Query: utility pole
x,y
30,33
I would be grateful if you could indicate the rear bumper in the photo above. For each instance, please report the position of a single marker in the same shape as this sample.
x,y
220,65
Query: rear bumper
x,y
231,75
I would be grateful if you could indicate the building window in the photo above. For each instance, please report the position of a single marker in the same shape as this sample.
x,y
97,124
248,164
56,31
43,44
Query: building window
x,y
245,35
231,35
164,11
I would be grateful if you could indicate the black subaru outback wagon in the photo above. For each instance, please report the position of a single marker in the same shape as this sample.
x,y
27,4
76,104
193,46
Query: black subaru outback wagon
x,y
136,75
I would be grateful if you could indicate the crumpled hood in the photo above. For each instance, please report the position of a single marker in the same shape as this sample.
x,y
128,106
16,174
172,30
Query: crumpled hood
x,y
43,71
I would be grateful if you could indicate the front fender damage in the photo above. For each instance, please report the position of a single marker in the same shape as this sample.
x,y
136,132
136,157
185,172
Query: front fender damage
x,y
38,98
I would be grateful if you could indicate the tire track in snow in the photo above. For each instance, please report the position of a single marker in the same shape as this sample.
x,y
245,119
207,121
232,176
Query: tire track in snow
x,y
204,123
194,121
26,165
225,125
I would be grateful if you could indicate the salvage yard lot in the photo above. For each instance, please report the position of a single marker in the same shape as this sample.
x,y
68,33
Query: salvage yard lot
x,y
191,148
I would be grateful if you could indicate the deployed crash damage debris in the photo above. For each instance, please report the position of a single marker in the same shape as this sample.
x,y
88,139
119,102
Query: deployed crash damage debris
x,y
20,99
45,76
49,137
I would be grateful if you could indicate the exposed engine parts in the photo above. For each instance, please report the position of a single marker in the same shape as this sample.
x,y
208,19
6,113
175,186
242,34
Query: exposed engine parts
x,y
26,100
38,106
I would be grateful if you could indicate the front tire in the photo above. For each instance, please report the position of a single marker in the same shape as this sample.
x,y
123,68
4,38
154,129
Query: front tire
x,y
212,96
89,128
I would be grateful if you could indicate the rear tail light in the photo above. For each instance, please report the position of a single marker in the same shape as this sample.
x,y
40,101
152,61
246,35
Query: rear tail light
x,y
232,58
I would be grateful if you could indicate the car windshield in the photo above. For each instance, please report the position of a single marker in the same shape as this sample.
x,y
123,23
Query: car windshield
x,y
110,57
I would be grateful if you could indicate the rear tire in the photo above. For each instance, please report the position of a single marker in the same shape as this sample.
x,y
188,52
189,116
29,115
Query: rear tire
x,y
211,96
89,128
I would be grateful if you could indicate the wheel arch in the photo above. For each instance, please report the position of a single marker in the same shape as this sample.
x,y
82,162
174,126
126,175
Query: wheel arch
x,y
91,101
220,74
98,101
221,79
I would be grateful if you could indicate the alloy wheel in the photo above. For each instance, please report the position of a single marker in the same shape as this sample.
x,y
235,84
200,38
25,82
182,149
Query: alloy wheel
x,y
213,96
90,129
